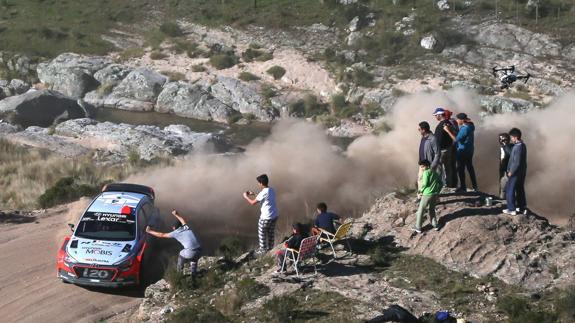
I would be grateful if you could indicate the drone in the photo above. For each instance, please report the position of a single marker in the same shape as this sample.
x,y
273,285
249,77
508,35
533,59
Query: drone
x,y
507,76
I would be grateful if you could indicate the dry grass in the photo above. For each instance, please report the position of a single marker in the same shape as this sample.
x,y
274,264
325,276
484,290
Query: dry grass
x,y
26,173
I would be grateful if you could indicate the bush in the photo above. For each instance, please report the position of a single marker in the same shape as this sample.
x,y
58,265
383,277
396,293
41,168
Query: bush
x,y
276,71
252,54
171,29
183,46
65,190
197,314
247,77
520,310
174,76
268,91
198,68
223,61
309,106
338,101
155,55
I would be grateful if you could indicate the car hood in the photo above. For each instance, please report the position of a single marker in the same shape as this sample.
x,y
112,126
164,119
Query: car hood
x,y
99,252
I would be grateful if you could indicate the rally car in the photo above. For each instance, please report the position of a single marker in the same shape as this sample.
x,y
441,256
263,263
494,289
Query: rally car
x,y
107,245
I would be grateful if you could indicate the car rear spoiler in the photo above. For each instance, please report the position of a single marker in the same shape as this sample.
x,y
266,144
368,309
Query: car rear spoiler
x,y
126,187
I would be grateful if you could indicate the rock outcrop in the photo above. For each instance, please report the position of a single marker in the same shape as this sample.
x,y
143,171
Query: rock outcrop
x,y
42,108
522,250
243,98
71,74
191,101
138,91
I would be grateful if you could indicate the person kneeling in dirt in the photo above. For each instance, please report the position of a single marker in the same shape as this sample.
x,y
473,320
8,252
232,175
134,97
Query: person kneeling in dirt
x,y
293,242
324,220
181,231
429,190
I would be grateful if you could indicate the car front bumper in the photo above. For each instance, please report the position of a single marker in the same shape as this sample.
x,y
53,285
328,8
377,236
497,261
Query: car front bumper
x,y
118,282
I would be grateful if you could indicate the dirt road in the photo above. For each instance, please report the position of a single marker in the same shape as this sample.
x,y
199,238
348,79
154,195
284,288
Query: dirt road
x,y
29,289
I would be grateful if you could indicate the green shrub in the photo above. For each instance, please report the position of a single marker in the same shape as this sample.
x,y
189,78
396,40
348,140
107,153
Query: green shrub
x,y
155,55
276,71
247,77
183,46
281,308
198,68
174,76
565,305
223,61
308,106
338,101
520,310
252,54
268,91
65,190
171,29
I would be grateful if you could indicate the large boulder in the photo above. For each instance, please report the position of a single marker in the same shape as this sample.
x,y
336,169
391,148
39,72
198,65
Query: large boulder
x,y
42,108
191,101
112,74
243,98
71,74
138,91
41,138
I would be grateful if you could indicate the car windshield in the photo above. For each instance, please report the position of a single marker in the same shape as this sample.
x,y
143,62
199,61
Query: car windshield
x,y
107,226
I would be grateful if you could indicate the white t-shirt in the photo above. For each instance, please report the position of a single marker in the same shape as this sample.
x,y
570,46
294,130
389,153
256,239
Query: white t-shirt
x,y
267,199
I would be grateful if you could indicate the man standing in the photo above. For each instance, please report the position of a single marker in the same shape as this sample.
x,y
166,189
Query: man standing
x,y
506,147
268,213
447,148
181,231
428,149
516,173
464,150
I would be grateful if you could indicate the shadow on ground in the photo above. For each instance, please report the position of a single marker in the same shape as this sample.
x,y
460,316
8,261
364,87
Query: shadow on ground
x,y
13,218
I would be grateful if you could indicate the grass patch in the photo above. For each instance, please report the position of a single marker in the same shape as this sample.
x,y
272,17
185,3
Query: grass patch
x,y
171,29
133,52
66,190
157,55
232,247
105,89
193,313
248,77
174,76
223,60
253,54
268,91
277,72
308,106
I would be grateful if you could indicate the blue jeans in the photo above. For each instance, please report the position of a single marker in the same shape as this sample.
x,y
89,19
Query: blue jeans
x,y
465,160
515,193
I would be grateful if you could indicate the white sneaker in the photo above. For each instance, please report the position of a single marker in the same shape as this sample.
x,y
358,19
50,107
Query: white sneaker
x,y
510,212
414,229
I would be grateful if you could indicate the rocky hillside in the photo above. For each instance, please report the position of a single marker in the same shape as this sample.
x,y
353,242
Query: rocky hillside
x,y
478,265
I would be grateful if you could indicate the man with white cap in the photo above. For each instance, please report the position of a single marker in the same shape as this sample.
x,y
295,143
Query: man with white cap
x,y
449,172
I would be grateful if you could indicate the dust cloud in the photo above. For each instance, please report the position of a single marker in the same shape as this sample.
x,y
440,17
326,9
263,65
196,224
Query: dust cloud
x,y
305,168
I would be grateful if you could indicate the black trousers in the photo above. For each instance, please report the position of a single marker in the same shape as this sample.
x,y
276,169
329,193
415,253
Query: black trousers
x,y
465,161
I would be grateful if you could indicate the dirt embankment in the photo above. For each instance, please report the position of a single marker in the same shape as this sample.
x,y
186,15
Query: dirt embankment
x,y
29,289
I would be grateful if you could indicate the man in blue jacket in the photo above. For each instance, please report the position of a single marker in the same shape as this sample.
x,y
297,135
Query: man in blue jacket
x,y
516,172
464,141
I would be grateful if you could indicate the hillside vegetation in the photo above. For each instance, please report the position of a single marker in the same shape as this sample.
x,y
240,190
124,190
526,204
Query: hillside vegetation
x,y
49,27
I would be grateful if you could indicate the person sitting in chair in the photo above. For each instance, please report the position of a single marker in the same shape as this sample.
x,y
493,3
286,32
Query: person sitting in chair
x,y
324,220
293,242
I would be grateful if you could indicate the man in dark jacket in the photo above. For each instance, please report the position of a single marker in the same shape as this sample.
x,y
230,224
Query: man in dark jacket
x,y
516,173
428,149
447,148
505,149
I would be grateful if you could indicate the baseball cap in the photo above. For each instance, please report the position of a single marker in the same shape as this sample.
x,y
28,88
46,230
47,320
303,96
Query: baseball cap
x,y
461,116
438,111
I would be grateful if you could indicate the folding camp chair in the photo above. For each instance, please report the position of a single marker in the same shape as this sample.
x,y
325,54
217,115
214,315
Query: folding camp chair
x,y
340,234
306,251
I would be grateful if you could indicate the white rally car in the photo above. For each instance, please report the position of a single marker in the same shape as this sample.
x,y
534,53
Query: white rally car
x,y
107,245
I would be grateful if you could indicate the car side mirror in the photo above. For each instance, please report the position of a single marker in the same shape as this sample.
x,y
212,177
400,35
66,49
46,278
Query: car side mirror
x,y
71,227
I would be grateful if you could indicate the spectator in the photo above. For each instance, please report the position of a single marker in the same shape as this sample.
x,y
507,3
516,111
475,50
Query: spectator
x,y
506,147
293,242
324,220
428,149
464,150
268,213
447,159
429,191
185,236
516,173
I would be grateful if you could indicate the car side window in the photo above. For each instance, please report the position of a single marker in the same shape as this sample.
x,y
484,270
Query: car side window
x,y
142,221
